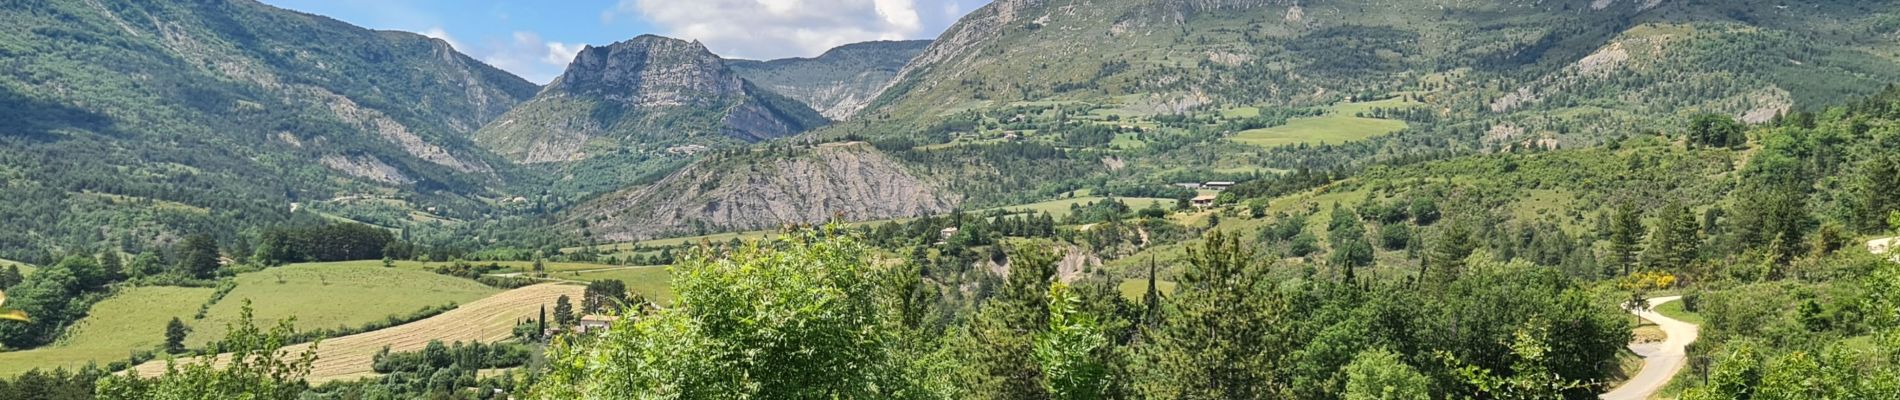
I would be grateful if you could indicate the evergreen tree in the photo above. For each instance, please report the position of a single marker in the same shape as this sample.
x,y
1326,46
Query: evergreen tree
x,y
197,256
1876,193
1447,258
1626,237
1151,298
1716,130
175,332
113,266
1224,336
1000,343
563,312
1676,241
10,276
1347,235
603,294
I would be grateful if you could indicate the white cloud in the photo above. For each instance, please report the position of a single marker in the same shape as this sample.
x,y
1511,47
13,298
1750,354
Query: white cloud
x,y
438,33
527,55
561,53
779,28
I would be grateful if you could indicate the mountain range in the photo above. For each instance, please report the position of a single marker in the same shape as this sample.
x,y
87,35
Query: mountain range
x,y
131,123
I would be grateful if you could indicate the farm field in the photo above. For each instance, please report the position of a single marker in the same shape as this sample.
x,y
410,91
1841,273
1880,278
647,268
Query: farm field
x,y
330,296
132,321
25,269
1134,289
654,282
1055,207
1060,208
1338,125
513,266
487,320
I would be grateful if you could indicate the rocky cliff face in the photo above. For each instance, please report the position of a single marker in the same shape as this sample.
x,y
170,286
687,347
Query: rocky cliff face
x,y
837,83
649,71
647,94
851,182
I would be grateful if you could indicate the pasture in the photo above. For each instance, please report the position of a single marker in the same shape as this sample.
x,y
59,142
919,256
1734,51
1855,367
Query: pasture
x,y
490,319
25,269
1060,208
330,296
1135,289
654,282
512,266
134,320
1338,125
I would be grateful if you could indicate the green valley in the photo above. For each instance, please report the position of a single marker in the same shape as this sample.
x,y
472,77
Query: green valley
x,y
935,199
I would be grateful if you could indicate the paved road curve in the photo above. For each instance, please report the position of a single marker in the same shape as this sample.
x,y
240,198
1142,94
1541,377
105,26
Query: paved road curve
x,y
1661,361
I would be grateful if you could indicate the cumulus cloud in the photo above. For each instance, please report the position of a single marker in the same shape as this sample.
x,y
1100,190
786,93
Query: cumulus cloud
x,y
527,55
778,28
438,33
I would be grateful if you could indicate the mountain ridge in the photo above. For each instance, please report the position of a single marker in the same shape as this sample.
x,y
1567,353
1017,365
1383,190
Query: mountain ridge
x,y
838,82
647,94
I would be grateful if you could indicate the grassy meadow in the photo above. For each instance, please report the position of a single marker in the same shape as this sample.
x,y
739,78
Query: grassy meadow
x,y
133,320
1339,125
325,295
331,296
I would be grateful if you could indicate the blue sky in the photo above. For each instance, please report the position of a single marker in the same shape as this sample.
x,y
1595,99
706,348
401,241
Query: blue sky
x,y
536,39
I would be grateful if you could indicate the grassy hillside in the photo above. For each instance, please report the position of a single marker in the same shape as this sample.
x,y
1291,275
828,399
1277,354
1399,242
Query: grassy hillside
x,y
154,120
328,296
1339,124
316,295
132,321
486,320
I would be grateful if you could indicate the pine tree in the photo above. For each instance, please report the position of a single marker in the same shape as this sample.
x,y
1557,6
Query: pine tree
x,y
1447,258
563,312
198,256
1626,237
1001,343
175,332
11,276
113,266
1151,300
1225,336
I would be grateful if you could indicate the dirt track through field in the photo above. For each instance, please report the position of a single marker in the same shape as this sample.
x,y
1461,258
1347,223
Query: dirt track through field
x,y
487,320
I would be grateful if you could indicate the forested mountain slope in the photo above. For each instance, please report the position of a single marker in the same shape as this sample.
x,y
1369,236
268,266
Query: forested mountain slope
x,y
1527,65
836,83
129,121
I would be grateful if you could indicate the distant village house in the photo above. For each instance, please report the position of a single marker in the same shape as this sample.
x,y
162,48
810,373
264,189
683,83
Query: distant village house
x,y
596,323
1203,201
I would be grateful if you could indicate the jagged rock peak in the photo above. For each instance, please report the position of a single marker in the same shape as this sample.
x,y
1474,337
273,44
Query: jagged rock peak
x,y
649,70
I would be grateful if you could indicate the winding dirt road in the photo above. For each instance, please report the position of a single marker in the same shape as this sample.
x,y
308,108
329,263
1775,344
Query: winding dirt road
x,y
1661,361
